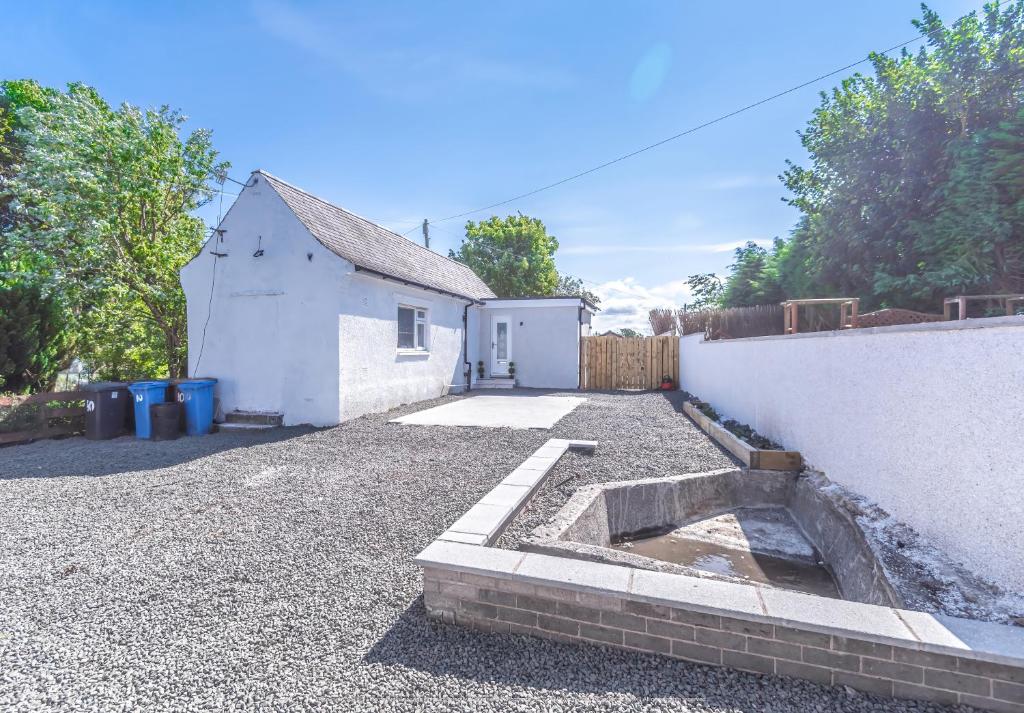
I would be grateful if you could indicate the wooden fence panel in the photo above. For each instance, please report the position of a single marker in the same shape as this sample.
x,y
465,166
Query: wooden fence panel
x,y
617,363
51,421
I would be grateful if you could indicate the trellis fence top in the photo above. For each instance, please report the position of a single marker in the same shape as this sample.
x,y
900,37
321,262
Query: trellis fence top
x,y
1009,303
847,312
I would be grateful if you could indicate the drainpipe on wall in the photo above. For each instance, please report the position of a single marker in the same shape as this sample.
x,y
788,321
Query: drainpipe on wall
x,y
579,347
465,345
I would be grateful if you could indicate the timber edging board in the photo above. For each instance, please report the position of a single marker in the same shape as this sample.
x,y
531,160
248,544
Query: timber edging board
x,y
751,457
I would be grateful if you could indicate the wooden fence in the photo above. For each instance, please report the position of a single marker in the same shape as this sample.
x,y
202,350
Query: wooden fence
x,y
45,416
612,363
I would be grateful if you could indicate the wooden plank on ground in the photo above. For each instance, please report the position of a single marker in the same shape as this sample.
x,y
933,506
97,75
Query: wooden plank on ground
x,y
753,458
778,460
18,437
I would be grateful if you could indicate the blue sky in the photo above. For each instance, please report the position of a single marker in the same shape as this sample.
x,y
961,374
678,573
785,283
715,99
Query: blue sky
x,y
400,111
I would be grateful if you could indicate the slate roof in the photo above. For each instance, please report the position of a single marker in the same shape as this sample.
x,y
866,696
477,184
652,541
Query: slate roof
x,y
372,247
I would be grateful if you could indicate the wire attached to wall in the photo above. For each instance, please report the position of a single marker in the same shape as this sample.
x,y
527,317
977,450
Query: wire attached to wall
x,y
209,304
219,233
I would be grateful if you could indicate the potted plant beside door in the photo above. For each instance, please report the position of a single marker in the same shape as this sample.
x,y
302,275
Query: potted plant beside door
x,y
480,368
512,371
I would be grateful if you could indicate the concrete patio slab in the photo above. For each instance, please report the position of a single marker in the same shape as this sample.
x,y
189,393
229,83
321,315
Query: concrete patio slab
x,y
505,411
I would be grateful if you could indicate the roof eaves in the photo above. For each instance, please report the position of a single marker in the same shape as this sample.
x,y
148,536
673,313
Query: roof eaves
x,y
584,300
404,281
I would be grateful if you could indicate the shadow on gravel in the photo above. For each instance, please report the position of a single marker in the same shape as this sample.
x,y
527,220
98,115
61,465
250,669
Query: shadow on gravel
x,y
78,456
442,650
676,399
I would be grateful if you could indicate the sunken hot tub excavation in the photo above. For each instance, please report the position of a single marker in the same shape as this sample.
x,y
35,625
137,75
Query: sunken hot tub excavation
x,y
772,528
771,572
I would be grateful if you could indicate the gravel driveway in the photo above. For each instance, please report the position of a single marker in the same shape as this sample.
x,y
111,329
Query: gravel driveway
x,y
274,570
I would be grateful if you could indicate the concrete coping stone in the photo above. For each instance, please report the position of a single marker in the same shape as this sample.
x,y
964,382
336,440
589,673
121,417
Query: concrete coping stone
x,y
483,523
707,596
920,631
458,557
506,494
573,574
540,462
463,537
482,519
521,476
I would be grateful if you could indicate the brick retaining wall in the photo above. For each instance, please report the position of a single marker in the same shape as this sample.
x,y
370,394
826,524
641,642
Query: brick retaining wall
x,y
876,649
506,606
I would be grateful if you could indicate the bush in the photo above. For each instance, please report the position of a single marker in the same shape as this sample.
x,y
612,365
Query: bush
x,y
33,343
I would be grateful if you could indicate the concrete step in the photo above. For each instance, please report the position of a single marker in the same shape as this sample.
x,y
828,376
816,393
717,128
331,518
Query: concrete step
x,y
226,427
494,383
256,418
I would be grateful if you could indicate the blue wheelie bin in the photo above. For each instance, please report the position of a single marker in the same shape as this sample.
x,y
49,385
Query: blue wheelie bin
x,y
196,396
144,394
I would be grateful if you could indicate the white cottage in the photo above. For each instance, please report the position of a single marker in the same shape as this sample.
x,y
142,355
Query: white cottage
x,y
299,308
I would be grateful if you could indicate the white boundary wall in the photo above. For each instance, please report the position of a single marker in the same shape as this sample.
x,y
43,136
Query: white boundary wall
x,y
926,419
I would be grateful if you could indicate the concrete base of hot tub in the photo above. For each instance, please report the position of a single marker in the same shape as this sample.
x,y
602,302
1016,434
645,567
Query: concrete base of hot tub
x,y
877,649
597,515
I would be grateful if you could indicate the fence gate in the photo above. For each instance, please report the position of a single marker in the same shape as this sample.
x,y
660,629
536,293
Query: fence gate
x,y
611,363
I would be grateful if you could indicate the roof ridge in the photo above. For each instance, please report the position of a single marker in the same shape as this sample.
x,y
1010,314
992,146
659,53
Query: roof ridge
x,y
360,217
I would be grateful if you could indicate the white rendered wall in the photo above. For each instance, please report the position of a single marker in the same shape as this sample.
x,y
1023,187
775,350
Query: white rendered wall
x,y
375,374
924,419
272,337
544,338
310,338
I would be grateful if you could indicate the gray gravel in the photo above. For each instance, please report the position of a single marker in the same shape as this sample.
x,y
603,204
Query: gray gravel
x,y
275,571
641,435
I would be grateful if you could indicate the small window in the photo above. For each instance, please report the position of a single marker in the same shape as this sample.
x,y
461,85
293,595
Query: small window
x,y
412,328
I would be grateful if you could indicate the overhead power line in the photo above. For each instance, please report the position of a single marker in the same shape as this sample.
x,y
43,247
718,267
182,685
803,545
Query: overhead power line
x,y
681,134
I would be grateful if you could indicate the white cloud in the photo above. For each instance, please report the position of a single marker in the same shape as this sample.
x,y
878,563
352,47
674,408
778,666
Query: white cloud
x,y
625,302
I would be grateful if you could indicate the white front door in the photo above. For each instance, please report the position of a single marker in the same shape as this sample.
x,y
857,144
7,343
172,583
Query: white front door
x,y
501,345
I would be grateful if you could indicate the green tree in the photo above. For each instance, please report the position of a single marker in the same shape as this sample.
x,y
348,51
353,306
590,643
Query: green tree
x,y
753,278
630,333
32,339
105,199
15,95
569,286
708,290
514,256
984,199
912,189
